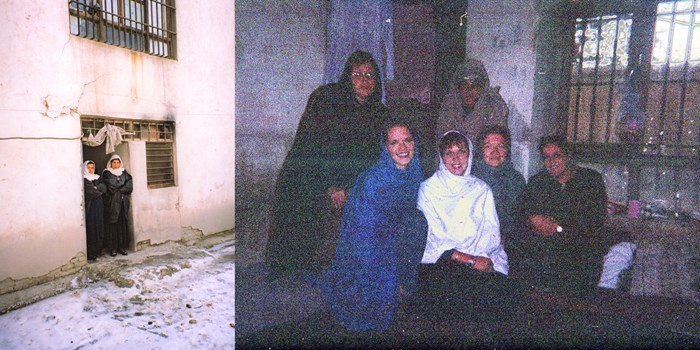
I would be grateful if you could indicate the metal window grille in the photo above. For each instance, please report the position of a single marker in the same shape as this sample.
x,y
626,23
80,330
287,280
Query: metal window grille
x,y
673,101
159,137
669,89
140,25
597,76
160,169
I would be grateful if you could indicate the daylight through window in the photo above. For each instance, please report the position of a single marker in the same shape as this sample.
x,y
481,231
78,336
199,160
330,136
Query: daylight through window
x,y
652,99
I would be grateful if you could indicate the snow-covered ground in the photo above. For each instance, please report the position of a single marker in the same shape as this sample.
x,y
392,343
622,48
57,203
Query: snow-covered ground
x,y
166,297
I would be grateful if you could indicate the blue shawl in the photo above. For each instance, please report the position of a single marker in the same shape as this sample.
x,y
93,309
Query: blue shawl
x,y
380,245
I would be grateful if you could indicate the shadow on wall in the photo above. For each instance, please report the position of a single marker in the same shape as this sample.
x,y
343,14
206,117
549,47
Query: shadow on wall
x,y
259,159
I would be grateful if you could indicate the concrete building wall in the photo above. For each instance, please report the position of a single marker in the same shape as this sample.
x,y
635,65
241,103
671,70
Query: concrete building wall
x,y
49,78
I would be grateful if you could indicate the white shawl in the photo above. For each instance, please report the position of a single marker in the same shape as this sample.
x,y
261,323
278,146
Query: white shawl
x,y
87,174
117,171
461,215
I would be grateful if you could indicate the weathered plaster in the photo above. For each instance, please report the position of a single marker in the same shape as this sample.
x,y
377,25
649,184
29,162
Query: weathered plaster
x,y
48,85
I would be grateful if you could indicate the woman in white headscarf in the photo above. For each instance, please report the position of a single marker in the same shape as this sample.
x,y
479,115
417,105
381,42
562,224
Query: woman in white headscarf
x,y
94,210
460,210
464,266
117,204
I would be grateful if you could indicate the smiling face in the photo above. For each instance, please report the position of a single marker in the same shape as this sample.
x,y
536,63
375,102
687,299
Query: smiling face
x,y
495,150
400,145
455,158
557,162
364,80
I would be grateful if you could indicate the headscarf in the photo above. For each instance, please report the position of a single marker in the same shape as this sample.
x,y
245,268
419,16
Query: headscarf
x,y
450,182
87,174
117,171
461,215
358,58
379,247
471,70
505,182
489,109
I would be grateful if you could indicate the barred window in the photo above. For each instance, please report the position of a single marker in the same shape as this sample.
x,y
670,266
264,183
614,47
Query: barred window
x,y
597,77
649,99
140,25
673,103
159,137
159,162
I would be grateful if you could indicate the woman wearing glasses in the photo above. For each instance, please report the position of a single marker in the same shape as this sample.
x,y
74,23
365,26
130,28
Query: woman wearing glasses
x,y
336,139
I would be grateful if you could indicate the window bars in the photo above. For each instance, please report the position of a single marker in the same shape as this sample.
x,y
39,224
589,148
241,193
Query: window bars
x,y
140,25
159,137
664,91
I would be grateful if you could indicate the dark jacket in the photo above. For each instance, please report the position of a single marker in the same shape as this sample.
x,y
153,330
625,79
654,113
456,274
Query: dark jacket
x,y
93,190
507,185
118,195
573,258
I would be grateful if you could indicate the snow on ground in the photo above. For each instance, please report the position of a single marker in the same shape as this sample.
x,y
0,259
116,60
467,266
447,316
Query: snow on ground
x,y
180,299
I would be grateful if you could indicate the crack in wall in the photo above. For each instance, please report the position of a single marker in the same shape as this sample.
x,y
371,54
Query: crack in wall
x,y
53,105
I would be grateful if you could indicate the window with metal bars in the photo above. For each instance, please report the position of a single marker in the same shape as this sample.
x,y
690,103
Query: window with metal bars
x,y
160,168
140,25
651,99
159,137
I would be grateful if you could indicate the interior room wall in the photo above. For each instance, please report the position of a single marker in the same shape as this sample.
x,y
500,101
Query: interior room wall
x,y
280,49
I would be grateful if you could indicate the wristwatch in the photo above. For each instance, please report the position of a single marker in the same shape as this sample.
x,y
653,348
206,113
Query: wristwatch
x,y
560,229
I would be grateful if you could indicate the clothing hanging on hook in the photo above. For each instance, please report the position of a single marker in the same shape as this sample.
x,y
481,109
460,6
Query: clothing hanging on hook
x,y
111,133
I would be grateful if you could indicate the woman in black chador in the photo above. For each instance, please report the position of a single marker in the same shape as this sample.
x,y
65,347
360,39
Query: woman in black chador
x,y
117,205
336,139
94,210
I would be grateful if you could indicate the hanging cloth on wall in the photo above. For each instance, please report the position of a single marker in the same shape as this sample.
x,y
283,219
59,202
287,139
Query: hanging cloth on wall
x,y
112,134
630,118
359,25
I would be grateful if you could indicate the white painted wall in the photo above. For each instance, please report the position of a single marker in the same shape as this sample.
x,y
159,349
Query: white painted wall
x,y
503,38
48,78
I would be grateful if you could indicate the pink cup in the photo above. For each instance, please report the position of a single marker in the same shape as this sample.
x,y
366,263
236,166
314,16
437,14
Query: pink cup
x,y
633,209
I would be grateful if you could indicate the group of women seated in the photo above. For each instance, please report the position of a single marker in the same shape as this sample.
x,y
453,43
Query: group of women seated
x,y
381,236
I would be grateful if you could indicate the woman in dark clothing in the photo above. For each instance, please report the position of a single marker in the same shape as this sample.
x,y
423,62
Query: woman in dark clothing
x,y
381,239
117,204
336,139
493,165
94,210
565,207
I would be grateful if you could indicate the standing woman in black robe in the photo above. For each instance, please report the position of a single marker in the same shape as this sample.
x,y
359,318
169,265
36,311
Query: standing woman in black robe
x,y
336,139
117,205
94,210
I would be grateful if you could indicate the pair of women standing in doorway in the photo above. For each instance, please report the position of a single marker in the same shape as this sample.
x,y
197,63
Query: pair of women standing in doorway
x,y
107,203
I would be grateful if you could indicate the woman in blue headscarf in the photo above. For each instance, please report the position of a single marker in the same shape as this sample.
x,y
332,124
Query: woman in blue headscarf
x,y
381,239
